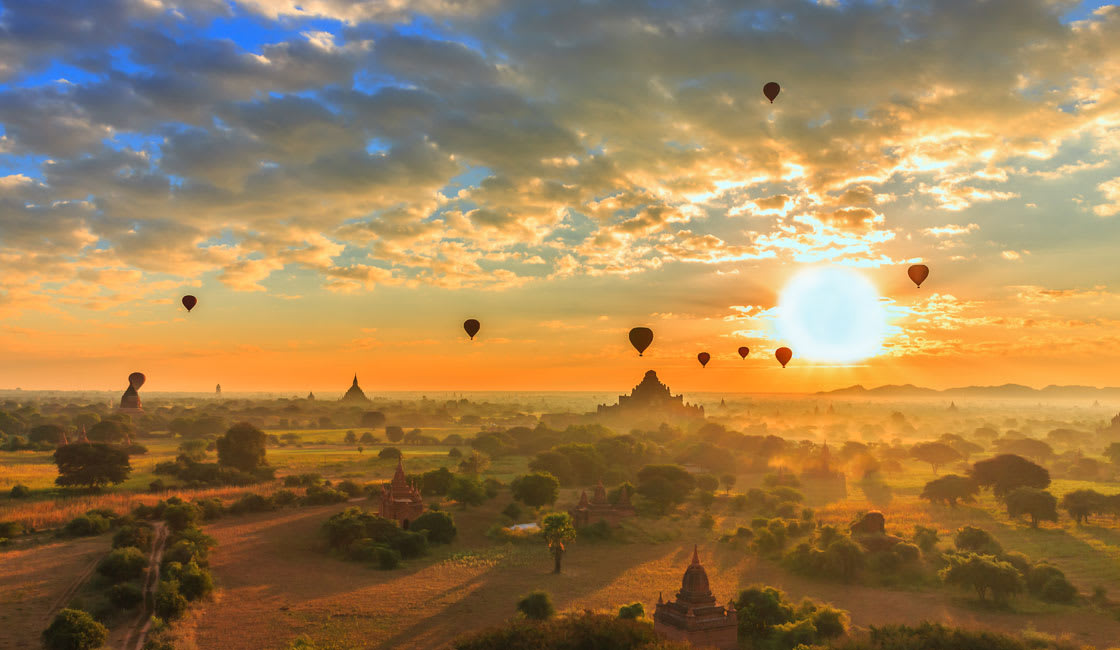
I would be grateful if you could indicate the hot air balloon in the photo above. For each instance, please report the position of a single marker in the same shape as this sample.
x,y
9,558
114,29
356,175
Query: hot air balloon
x,y
704,358
189,302
471,325
136,380
640,338
783,355
771,91
918,273
744,351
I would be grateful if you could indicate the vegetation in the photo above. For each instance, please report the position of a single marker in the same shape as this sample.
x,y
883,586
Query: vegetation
x,y
74,629
536,606
92,465
557,529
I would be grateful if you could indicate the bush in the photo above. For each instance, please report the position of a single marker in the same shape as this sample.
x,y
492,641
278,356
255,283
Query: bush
x,y
984,574
85,525
513,511
126,595
194,581
707,521
321,496
925,538
251,503
9,529
136,535
632,611
584,630
439,527
350,488
210,509
389,452
976,540
73,629
121,564
180,517
284,498
536,605
20,491
169,603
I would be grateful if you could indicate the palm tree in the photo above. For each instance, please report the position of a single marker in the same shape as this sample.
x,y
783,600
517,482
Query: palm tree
x,y
557,528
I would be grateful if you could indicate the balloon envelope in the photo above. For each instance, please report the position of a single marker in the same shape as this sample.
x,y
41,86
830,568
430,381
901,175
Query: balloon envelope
x,y
189,302
918,273
783,355
744,351
704,358
472,326
136,380
771,90
640,338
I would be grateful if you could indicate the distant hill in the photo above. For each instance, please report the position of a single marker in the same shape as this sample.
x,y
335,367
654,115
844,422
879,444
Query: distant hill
x,y
1006,391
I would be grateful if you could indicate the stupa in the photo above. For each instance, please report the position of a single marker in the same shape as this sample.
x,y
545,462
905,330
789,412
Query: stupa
x,y
400,500
130,401
651,399
355,393
694,617
598,508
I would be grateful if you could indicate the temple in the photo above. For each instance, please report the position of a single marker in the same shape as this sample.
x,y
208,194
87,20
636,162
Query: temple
x,y
598,508
130,401
355,393
651,399
400,500
694,617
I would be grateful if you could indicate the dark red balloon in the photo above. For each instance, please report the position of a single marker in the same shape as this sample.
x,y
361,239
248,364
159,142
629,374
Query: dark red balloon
x,y
744,351
136,380
189,302
471,326
783,355
771,91
918,273
704,358
640,338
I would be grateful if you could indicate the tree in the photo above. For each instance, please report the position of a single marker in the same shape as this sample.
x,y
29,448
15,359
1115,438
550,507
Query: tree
x,y
467,491
536,605
1029,447
707,482
48,433
242,447
373,419
556,464
1113,453
350,438
761,608
107,431
94,465
965,447
536,489
389,452
665,485
394,433
122,564
935,453
1082,503
632,611
193,451
436,481
949,489
557,528
1006,472
984,574
728,481
1040,505
475,463
73,629
181,516
439,525
977,540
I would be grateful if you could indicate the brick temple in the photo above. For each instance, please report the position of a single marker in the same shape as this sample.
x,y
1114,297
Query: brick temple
x,y
598,508
400,500
694,617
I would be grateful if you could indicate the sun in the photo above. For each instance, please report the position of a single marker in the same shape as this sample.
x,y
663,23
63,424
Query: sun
x,y
831,313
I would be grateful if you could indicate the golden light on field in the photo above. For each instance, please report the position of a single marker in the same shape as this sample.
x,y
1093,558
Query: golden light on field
x,y
832,313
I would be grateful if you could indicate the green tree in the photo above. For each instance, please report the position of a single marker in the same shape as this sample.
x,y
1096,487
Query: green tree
x,y
394,433
48,433
950,489
193,450
1113,453
728,481
351,438
436,482
536,605
243,447
1039,505
107,431
467,491
557,528
93,465
389,452
536,489
707,482
936,454
632,611
1082,503
1006,472
73,629
181,516
121,564
760,608
665,485
984,574
439,525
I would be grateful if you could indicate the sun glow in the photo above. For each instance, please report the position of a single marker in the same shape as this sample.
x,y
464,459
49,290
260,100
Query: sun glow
x,y
832,313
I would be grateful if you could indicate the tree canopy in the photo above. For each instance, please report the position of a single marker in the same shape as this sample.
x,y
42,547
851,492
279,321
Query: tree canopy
x,y
1006,472
93,465
243,447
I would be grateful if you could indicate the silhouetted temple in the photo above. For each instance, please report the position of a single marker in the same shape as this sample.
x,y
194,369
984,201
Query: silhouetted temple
x,y
694,617
400,500
651,399
355,393
598,508
130,401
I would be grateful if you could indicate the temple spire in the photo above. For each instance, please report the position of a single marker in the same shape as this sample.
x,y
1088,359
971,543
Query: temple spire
x,y
695,554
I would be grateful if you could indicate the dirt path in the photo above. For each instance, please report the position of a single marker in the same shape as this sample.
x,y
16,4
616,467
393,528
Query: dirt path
x,y
134,635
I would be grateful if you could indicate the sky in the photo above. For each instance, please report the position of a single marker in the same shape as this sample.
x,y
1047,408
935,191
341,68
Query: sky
x,y
342,183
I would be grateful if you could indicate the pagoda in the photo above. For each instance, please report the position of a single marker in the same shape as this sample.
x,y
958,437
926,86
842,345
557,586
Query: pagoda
x,y
355,393
598,508
651,399
400,500
130,401
694,617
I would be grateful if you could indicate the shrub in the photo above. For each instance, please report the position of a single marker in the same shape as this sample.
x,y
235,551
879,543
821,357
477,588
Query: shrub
x,y
194,581
180,517
908,552
251,503
9,529
73,629
1058,590
707,521
169,603
536,605
284,498
121,564
19,491
350,488
125,595
976,540
513,511
157,486
321,496
210,509
984,574
85,525
925,538
439,526
389,452
137,535
632,611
